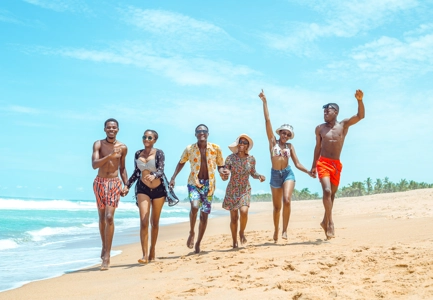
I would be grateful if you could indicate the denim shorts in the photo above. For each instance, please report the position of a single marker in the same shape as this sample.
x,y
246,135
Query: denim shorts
x,y
278,177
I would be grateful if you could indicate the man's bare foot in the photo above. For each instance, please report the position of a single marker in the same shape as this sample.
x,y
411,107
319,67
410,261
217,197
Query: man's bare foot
x,y
190,241
330,233
197,248
284,235
143,260
275,236
322,224
243,239
105,264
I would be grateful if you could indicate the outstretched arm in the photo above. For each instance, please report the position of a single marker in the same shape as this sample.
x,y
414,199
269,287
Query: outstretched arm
x,y
179,168
317,150
269,130
298,165
361,111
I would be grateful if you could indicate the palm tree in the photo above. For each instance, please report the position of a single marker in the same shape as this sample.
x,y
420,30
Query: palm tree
x,y
378,186
369,185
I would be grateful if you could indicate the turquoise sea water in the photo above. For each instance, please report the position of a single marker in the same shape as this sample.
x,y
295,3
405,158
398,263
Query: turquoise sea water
x,y
42,238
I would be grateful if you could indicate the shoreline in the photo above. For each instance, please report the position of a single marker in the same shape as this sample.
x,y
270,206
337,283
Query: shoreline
x,y
382,247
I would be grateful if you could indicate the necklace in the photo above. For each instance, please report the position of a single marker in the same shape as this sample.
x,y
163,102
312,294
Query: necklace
x,y
110,142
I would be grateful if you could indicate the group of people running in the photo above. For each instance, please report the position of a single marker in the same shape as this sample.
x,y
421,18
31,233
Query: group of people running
x,y
153,189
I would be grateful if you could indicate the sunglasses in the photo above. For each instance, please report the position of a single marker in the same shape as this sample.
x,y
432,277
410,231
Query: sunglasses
x,y
289,134
326,106
243,142
149,138
201,131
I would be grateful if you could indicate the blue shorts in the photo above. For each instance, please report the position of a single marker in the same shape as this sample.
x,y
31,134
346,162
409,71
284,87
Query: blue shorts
x,y
201,195
278,177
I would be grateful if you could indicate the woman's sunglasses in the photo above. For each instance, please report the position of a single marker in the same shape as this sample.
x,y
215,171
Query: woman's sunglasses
x,y
243,142
149,138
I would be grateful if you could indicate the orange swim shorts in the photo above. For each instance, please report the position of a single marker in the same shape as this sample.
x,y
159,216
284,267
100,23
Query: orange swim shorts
x,y
107,191
331,168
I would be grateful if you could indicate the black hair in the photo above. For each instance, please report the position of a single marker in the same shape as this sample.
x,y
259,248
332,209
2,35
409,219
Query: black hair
x,y
111,120
154,133
201,125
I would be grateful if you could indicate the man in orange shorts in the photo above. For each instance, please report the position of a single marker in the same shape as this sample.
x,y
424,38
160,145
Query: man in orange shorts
x,y
109,158
326,162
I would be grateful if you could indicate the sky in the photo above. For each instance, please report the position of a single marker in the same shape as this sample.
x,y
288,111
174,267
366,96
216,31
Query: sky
x,y
68,65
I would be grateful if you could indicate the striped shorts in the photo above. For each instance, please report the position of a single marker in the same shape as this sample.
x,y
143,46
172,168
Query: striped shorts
x,y
107,191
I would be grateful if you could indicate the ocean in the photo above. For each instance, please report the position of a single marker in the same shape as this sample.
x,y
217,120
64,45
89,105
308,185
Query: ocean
x,y
43,238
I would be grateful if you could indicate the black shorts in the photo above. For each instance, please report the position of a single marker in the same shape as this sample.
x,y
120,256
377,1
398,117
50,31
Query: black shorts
x,y
155,193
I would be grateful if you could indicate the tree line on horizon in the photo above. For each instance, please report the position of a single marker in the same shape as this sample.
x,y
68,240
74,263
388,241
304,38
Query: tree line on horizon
x,y
355,189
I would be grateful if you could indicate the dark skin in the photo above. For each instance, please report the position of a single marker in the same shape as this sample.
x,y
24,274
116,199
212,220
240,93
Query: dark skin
x,y
329,143
203,174
150,209
109,158
281,197
242,211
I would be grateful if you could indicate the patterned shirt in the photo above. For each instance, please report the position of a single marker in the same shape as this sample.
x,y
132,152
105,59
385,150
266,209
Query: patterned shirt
x,y
214,158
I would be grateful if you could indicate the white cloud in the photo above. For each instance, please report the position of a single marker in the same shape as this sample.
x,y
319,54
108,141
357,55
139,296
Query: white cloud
x,y
184,71
7,17
21,109
342,19
61,5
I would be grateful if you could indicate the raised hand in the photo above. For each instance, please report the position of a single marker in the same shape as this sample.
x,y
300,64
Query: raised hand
x,y
117,152
359,95
262,96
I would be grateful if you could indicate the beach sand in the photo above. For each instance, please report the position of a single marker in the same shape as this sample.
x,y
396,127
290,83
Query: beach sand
x,y
383,249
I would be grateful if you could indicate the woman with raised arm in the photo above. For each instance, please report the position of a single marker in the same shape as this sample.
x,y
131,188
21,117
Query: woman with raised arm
x,y
282,177
241,165
151,191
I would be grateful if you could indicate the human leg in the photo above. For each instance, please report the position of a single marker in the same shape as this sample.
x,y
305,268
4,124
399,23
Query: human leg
x,y
101,214
277,194
288,187
194,198
327,204
143,202
201,229
157,205
108,236
243,223
234,217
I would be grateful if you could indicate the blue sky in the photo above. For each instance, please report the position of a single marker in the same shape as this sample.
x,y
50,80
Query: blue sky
x,y
68,65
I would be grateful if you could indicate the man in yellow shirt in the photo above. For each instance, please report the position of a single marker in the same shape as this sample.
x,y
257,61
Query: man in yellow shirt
x,y
204,158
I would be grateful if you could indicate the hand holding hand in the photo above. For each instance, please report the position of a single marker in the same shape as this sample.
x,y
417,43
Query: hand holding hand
x,y
359,95
313,172
262,95
125,191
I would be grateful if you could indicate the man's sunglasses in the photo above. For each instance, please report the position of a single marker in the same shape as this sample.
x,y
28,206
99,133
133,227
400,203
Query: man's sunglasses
x,y
243,142
149,138
201,131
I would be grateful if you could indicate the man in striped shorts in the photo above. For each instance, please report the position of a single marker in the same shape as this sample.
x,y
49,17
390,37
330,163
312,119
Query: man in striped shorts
x,y
109,158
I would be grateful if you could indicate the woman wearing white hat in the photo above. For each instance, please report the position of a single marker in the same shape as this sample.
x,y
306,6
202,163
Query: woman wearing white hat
x,y
282,177
238,192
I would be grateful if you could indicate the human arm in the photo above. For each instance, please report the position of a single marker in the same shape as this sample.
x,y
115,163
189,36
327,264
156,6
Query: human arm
x,y
135,175
317,150
298,165
160,159
269,131
99,162
253,171
179,168
222,170
359,95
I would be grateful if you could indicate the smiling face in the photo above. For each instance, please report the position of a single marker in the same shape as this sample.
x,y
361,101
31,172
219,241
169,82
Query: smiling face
x,y
285,135
201,133
149,139
111,129
243,145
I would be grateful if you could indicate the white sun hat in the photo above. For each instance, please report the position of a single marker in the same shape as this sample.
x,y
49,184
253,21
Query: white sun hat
x,y
286,127
234,146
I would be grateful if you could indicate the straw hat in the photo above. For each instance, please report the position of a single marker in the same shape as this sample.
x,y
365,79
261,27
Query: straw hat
x,y
286,127
234,146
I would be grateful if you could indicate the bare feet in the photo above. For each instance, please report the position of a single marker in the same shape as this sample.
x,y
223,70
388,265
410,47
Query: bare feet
x,y
235,245
275,236
330,233
190,241
102,253
243,239
322,224
197,248
105,264
284,236
143,260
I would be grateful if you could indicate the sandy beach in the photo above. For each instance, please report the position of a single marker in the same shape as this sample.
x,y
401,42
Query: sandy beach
x,y
383,249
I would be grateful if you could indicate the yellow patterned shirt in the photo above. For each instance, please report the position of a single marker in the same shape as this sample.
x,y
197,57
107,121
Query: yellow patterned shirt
x,y
214,158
